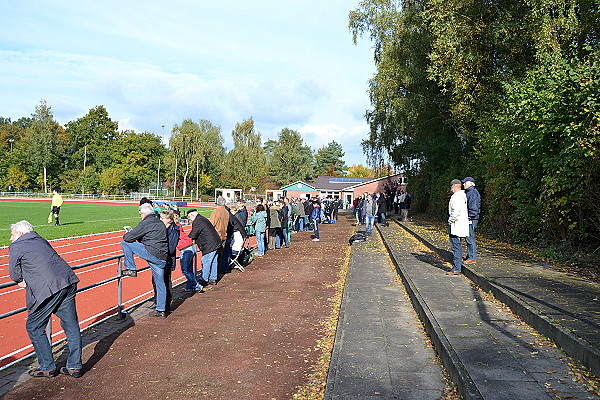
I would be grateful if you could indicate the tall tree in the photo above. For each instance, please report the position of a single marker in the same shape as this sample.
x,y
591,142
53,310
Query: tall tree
x,y
329,160
291,159
246,161
43,141
90,138
135,157
197,150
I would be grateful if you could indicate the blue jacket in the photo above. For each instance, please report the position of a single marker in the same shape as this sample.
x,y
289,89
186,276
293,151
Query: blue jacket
x,y
33,260
473,202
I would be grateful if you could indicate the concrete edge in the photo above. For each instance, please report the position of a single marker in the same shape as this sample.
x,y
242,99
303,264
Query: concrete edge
x,y
456,369
573,345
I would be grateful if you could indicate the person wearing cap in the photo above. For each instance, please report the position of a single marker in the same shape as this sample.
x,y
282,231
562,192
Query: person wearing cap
x,y
206,237
474,207
458,224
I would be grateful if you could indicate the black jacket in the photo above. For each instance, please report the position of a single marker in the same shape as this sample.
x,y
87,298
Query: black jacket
x,y
33,260
237,225
173,233
152,233
205,235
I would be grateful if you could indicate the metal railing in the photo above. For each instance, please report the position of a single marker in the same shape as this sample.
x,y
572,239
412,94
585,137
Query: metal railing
x,y
120,310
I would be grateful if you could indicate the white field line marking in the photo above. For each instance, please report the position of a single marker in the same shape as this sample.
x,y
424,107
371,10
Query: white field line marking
x,y
98,220
4,262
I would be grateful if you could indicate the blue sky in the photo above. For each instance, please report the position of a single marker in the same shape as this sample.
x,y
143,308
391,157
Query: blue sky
x,y
152,63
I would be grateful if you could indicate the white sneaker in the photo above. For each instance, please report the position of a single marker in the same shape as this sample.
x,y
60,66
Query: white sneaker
x,y
315,240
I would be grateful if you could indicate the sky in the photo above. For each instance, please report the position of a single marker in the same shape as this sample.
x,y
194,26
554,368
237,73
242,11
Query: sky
x,y
149,63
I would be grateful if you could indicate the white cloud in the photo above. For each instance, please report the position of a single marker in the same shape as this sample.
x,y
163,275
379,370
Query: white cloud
x,y
283,65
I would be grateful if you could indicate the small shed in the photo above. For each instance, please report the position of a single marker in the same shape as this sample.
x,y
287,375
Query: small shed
x,y
231,195
299,189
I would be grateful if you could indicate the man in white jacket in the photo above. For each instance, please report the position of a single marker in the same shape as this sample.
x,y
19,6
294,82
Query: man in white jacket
x,y
458,224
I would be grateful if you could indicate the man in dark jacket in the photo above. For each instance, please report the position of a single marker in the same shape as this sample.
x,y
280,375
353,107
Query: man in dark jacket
x,y
50,287
474,208
148,240
209,243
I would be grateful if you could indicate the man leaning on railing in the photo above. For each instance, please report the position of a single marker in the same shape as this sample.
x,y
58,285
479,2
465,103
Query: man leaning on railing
x,y
50,287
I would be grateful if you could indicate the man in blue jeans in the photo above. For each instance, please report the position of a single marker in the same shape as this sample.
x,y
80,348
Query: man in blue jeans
x,y
209,242
148,240
50,287
474,207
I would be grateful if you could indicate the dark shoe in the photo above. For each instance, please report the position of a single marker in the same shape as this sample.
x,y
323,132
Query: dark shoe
x,y
453,272
468,261
159,314
75,373
212,282
41,373
129,272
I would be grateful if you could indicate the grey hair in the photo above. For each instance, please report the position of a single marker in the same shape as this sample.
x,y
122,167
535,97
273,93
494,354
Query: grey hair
x,y
21,227
146,209
221,201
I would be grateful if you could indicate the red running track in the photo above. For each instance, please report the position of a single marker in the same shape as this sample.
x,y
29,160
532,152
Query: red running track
x,y
92,305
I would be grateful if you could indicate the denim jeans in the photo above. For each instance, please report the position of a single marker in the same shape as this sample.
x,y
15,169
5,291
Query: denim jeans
x,y
456,251
285,237
186,260
300,223
471,245
260,242
382,218
305,223
316,228
210,265
62,303
369,221
156,265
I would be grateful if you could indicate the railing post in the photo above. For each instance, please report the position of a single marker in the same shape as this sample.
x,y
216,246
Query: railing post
x,y
120,313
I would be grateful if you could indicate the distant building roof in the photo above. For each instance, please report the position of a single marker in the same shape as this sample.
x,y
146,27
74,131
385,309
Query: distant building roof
x,y
338,182
299,185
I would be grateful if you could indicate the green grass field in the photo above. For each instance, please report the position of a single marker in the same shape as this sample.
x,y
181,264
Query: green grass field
x,y
75,219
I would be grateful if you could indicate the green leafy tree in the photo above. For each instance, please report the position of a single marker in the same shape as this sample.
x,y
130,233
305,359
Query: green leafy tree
x,y
291,159
544,140
16,179
89,140
329,160
136,157
112,180
245,163
44,143
197,151
79,181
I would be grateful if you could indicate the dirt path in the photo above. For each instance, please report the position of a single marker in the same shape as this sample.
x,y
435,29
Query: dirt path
x,y
251,337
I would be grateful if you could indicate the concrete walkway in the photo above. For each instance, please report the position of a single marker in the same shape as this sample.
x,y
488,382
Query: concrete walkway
x,y
488,352
562,307
380,348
